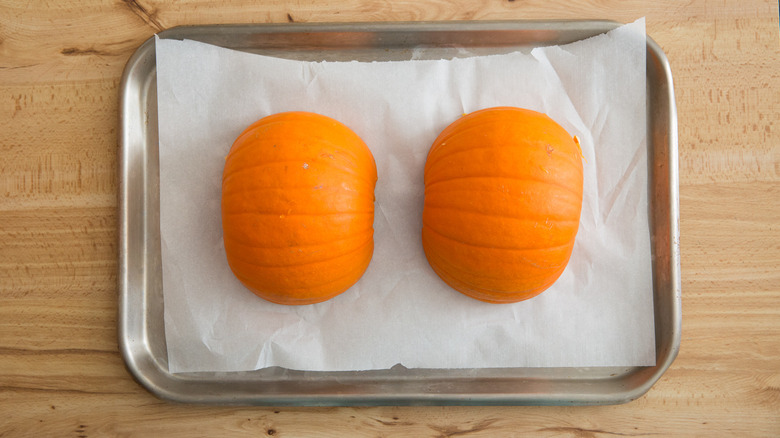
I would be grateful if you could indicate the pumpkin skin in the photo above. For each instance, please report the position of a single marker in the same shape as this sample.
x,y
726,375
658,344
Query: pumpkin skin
x,y
298,208
503,196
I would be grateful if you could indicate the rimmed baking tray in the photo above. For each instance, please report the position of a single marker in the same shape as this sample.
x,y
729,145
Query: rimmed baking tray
x,y
141,326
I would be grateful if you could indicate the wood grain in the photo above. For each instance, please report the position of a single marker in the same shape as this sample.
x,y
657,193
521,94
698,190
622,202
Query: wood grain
x,y
60,370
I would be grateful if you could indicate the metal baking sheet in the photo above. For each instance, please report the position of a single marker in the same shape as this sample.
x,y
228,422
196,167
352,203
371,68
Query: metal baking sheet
x,y
140,318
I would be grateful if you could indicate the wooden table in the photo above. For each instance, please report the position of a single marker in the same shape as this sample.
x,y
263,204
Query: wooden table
x,y
60,370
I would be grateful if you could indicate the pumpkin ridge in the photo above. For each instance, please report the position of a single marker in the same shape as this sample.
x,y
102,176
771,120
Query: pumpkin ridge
x,y
351,251
444,270
503,216
551,182
536,145
276,213
238,242
355,269
530,248
442,260
311,187
552,249
271,164
513,198
455,129
350,158
447,266
356,152
493,296
312,192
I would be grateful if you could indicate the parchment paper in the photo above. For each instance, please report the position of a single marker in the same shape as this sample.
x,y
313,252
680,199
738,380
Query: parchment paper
x,y
599,313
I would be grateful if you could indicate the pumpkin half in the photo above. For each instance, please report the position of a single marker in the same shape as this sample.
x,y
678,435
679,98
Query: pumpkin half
x,y
503,195
298,208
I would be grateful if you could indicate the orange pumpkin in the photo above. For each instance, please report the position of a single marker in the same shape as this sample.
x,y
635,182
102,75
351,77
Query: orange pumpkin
x,y
298,208
503,195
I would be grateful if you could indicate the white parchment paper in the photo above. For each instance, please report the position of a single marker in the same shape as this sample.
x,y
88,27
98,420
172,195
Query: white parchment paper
x,y
599,313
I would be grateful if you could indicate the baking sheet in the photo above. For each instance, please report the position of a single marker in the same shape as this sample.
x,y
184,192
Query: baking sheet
x,y
141,333
400,312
